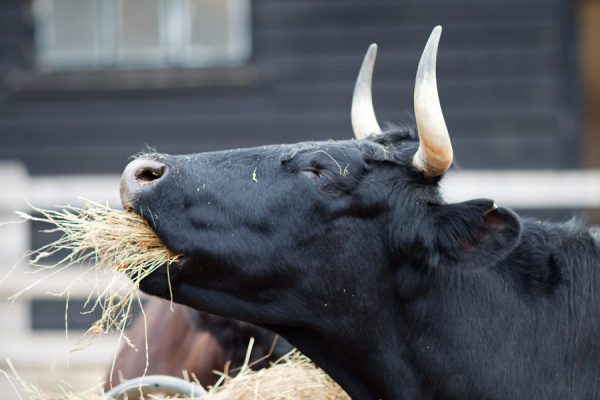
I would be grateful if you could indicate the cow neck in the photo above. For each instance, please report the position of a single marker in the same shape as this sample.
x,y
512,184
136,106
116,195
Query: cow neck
x,y
368,365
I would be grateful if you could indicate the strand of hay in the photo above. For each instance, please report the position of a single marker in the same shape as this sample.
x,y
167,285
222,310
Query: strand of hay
x,y
116,244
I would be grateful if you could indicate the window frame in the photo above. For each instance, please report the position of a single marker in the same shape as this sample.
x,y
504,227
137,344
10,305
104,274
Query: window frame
x,y
176,49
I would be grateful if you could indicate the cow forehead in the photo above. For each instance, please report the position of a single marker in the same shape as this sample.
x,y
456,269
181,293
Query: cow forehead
x,y
391,148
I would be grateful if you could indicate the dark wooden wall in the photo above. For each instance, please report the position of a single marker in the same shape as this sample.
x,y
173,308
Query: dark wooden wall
x,y
506,74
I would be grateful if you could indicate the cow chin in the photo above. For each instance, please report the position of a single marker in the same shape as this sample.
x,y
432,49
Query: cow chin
x,y
161,281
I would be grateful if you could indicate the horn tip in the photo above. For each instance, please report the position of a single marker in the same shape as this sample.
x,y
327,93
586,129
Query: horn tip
x,y
436,33
372,50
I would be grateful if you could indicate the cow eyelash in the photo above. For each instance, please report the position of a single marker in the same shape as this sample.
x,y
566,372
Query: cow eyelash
x,y
314,171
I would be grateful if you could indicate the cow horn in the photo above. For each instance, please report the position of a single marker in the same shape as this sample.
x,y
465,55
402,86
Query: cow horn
x,y
364,122
434,155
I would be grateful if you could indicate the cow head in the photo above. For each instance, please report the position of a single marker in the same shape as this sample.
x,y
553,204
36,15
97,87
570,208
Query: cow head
x,y
323,242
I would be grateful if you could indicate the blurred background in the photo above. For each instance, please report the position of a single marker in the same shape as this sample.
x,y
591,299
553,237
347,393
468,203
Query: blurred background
x,y
86,84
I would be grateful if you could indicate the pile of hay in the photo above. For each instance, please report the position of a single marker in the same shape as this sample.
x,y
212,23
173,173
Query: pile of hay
x,y
114,243
293,377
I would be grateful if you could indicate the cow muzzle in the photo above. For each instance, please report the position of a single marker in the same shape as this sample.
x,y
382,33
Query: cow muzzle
x,y
140,176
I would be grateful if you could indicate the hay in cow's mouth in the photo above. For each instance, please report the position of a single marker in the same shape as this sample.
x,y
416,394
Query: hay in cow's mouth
x,y
114,243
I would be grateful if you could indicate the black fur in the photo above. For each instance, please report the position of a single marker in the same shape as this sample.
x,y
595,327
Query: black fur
x,y
352,255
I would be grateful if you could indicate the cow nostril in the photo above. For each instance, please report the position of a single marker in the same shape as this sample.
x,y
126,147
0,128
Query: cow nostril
x,y
137,177
149,174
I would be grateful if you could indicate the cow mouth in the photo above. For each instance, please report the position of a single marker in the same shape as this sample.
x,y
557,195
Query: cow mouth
x,y
159,259
139,179
161,280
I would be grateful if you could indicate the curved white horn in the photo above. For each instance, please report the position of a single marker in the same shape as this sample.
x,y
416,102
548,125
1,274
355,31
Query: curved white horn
x,y
364,122
434,156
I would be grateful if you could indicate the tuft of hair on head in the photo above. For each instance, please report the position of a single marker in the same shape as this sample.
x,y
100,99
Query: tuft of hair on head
x,y
148,151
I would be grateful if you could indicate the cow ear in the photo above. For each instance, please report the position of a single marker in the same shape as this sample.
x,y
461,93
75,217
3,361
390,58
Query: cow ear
x,y
475,233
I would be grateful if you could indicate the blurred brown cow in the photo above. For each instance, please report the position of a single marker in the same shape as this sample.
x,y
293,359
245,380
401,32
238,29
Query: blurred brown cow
x,y
188,340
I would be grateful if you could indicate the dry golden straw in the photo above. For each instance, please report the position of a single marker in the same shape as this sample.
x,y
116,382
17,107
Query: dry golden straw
x,y
25,390
117,244
293,377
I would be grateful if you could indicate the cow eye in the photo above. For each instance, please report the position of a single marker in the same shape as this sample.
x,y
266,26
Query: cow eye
x,y
312,172
322,179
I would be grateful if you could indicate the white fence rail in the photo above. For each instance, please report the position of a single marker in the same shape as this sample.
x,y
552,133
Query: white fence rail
x,y
517,189
526,189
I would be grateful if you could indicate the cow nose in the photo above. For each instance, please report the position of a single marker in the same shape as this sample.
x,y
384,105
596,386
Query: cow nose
x,y
137,177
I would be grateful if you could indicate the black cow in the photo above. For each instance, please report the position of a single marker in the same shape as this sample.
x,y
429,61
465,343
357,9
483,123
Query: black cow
x,y
348,250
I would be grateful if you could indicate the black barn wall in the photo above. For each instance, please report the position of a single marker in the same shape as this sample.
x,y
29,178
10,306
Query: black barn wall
x,y
506,75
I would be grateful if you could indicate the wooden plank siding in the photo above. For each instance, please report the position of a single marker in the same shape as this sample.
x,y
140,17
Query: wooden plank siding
x,y
506,77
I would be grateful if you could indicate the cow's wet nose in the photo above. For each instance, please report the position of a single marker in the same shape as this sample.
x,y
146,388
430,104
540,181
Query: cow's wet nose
x,y
138,177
